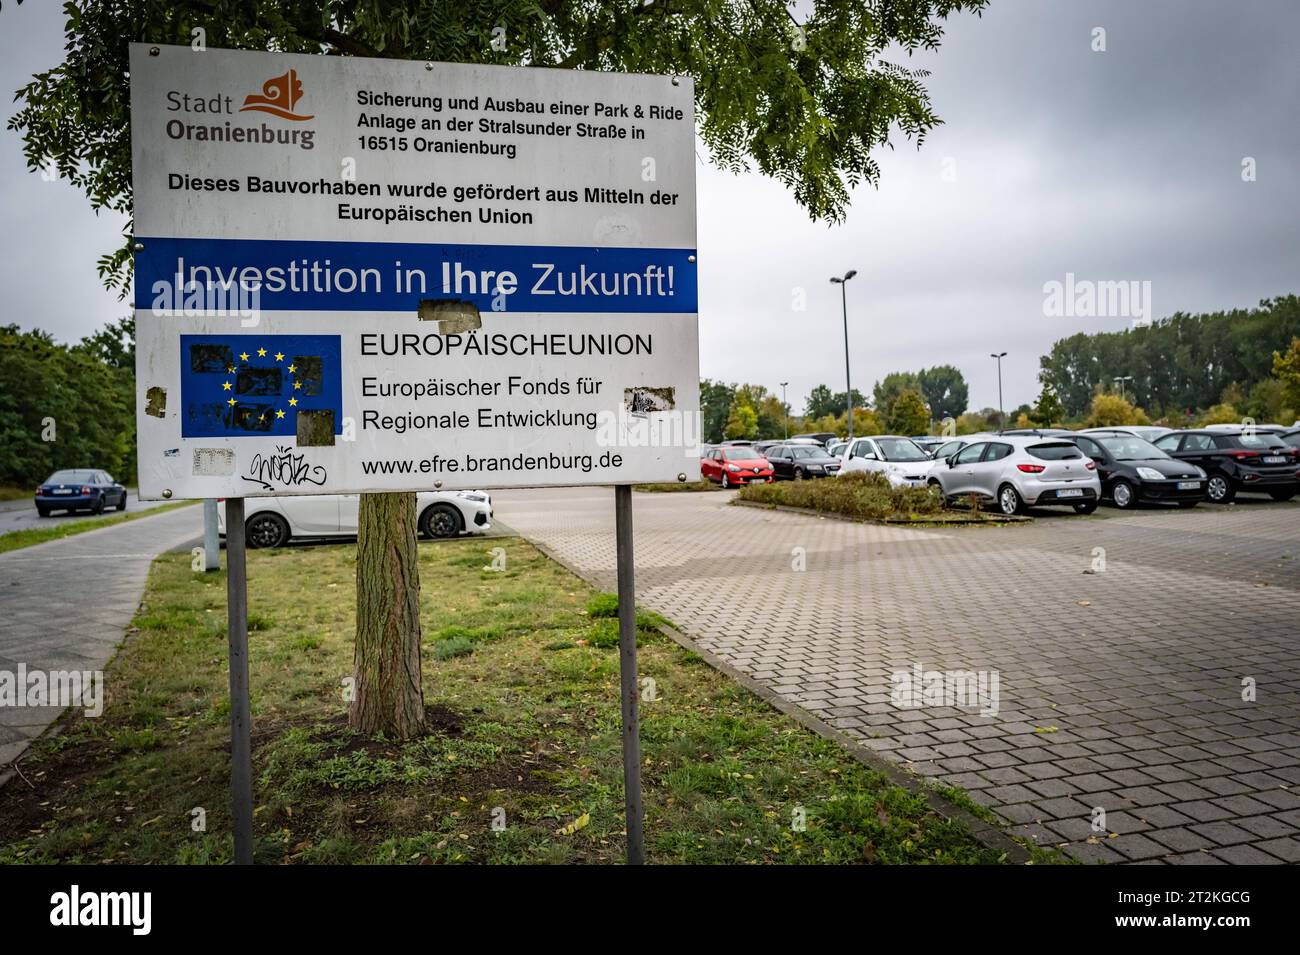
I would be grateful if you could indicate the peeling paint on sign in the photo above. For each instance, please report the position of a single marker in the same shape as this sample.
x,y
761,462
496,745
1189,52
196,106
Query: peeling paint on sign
x,y
643,400
453,316
156,402
213,462
316,428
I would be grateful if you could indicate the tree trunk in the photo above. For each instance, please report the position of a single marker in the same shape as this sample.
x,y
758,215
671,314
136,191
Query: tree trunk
x,y
388,697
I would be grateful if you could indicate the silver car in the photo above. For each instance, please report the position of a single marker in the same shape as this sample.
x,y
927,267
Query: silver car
x,y
1016,472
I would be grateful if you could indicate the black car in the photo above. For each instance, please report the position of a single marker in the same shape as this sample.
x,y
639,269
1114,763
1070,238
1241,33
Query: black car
x,y
1236,461
821,437
799,461
78,490
1134,470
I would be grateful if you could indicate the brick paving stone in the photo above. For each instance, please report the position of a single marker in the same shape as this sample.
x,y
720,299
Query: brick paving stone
x,y
1288,850
1223,833
1245,855
1145,723
1181,839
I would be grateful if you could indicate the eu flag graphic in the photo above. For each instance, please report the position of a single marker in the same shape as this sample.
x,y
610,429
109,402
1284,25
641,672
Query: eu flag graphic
x,y
266,385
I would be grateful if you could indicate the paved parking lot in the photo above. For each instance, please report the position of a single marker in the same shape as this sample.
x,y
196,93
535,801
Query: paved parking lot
x,y
1120,686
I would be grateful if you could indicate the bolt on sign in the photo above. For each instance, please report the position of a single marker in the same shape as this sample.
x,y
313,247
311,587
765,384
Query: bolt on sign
x,y
366,275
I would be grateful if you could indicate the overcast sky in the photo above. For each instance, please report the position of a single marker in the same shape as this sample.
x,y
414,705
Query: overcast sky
x,y
1116,165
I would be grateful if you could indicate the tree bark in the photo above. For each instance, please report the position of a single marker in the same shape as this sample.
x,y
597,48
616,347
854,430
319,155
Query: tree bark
x,y
388,697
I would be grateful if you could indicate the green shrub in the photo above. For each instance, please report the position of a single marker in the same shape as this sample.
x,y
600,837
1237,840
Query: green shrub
x,y
862,494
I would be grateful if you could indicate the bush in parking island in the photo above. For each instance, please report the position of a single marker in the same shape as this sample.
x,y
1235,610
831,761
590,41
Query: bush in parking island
x,y
863,494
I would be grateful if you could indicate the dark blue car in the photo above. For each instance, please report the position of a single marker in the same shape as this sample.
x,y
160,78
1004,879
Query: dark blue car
x,y
79,490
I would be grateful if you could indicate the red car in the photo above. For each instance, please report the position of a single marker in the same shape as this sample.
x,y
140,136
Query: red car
x,y
735,465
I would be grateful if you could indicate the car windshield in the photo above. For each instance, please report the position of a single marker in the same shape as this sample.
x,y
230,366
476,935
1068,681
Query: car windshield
x,y
900,449
1055,452
806,452
1130,448
741,454
1261,439
1149,434
71,477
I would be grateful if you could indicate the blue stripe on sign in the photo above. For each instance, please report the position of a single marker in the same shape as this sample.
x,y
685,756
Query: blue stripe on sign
x,y
386,276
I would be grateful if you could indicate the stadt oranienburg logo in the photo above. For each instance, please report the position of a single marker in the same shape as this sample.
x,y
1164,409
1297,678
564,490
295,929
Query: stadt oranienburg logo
x,y
279,97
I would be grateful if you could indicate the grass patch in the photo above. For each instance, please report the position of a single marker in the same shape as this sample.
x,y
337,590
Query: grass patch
x,y
864,495
15,540
522,695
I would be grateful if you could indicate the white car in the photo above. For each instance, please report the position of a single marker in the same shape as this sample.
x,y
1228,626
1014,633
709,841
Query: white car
x,y
1147,432
899,459
273,521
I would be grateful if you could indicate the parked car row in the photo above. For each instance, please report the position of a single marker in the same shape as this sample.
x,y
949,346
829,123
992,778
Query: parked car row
x,y
1022,468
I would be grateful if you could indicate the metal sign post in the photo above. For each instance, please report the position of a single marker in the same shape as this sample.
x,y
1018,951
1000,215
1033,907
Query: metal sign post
x,y
627,674
241,750
211,537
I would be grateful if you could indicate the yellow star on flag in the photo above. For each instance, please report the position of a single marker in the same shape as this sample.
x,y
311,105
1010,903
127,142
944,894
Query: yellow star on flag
x,y
261,353
297,385
231,402
279,356
279,414
230,370
243,356
292,369
293,402
225,386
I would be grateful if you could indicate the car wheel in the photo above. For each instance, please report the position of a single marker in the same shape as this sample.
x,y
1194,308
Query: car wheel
x,y
121,505
99,506
726,481
1123,495
1219,489
1009,500
440,520
266,530
43,511
798,474
1087,507
1283,495
1188,503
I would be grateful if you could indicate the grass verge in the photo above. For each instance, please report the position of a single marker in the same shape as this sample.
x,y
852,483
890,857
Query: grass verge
x,y
15,540
521,685
863,495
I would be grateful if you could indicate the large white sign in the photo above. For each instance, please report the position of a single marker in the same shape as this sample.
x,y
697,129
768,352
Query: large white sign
x,y
358,274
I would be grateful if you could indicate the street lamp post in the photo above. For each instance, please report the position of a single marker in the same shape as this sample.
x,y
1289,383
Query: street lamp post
x,y
1120,379
844,305
785,410
1002,415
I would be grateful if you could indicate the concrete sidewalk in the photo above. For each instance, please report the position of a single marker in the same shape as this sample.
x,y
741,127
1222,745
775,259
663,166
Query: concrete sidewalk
x,y
66,604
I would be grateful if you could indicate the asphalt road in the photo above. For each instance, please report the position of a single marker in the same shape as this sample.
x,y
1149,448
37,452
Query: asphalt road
x,y
21,515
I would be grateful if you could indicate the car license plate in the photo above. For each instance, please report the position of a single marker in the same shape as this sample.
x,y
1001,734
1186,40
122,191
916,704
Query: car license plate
x,y
62,490
1189,485
1070,492
1275,459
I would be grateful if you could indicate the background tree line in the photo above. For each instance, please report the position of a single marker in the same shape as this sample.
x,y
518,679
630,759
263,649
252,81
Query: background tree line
x,y
1181,366
66,406
903,403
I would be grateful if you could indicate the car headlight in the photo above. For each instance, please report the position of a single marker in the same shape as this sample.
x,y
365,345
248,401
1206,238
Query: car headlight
x,y
1150,474
477,498
733,467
